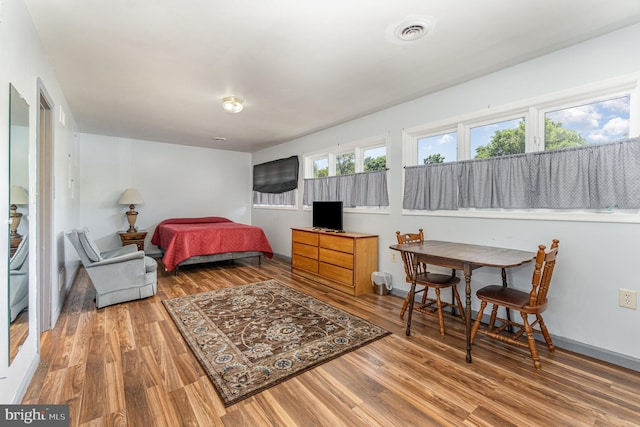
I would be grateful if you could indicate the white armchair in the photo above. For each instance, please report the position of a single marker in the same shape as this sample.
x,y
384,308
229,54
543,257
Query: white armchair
x,y
124,274
19,279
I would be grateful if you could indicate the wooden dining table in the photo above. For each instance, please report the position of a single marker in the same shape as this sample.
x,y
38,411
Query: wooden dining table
x,y
465,257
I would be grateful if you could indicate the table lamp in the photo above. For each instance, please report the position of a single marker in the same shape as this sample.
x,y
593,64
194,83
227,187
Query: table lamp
x,y
17,196
131,197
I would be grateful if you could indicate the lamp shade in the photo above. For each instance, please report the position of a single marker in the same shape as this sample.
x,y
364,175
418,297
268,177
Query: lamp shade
x,y
131,196
18,196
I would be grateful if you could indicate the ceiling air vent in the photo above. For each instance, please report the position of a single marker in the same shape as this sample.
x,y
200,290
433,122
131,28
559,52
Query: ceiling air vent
x,y
410,29
412,32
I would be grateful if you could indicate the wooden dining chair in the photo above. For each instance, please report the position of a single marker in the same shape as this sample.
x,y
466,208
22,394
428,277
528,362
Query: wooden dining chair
x,y
531,303
427,280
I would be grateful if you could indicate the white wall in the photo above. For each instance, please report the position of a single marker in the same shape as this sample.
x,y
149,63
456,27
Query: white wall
x,y
22,62
596,258
174,181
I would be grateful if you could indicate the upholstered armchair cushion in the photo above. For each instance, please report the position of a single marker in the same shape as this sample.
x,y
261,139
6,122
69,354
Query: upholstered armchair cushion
x,y
18,293
19,279
119,275
20,256
89,246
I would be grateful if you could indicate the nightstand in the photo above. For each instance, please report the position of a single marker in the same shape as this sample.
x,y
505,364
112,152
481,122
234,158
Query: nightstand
x,y
133,238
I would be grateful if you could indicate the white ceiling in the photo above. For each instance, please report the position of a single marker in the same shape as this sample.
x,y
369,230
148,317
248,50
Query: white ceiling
x,y
158,69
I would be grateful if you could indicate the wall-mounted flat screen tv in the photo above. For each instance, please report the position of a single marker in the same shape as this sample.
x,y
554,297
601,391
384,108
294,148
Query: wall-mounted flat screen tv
x,y
327,215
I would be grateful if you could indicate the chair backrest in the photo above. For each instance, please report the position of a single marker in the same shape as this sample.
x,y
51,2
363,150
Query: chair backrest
x,y
545,263
84,245
407,257
410,237
17,261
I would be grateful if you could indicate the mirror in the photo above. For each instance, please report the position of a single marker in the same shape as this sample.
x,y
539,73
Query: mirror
x,y
18,221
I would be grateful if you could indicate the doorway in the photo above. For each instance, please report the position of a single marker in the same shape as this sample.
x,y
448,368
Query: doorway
x,y
44,224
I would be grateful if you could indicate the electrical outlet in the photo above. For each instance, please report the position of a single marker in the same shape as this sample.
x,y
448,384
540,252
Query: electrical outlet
x,y
394,256
628,298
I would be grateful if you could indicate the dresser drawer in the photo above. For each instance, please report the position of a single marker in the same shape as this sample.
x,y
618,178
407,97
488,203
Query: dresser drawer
x,y
339,274
305,237
305,250
336,243
340,259
304,263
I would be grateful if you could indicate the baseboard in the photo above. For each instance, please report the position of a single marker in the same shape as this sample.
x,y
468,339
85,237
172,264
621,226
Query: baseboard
x,y
26,380
571,345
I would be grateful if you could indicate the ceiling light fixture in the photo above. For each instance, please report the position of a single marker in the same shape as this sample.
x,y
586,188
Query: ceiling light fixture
x,y
232,104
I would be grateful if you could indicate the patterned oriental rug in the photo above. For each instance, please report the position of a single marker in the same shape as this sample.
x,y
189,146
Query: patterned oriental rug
x,y
252,337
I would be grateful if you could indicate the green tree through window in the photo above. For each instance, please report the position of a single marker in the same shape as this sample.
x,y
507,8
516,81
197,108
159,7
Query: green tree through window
x,y
511,141
434,158
319,173
375,163
345,164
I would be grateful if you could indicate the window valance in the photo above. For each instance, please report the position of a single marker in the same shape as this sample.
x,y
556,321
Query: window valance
x,y
588,177
358,189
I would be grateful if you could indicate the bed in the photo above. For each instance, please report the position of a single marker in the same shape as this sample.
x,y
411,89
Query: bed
x,y
185,241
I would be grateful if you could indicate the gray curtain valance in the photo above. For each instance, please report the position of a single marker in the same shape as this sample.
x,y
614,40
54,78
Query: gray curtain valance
x,y
358,189
288,198
589,177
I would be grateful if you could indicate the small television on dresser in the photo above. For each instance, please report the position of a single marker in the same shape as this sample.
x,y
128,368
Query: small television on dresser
x,y
327,215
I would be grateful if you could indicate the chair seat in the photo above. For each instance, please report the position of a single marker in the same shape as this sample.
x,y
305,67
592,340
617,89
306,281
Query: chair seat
x,y
508,297
496,294
437,280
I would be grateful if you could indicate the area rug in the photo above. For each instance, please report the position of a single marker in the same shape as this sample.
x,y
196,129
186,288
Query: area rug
x,y
252,337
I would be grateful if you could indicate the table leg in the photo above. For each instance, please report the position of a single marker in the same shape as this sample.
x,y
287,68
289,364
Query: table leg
x,y
467,290
412,296
504,283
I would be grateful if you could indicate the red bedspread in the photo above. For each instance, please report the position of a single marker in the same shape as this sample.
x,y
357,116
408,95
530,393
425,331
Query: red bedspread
x,y
183,238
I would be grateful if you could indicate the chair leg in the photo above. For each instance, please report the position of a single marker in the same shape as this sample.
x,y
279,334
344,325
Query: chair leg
x,y
531,340
412,296
476,324
424,295
492,319
405,305
440,315
458,302
545,333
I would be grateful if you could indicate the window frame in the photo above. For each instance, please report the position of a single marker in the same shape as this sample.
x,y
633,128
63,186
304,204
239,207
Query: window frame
x,y
533,110
358,147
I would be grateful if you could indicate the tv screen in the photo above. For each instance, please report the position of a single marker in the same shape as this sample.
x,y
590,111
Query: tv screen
x,y
327,215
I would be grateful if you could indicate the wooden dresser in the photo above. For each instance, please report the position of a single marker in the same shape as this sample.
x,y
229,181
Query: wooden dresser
x,y
342,261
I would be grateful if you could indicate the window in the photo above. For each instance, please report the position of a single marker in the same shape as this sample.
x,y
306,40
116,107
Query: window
x,y
321,167
496,166
590,123
364,156
563,123
354,173
345,163
375,159
438,148
497,139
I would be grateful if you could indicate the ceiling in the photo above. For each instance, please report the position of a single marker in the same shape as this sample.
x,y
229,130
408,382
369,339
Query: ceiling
x,y
158,69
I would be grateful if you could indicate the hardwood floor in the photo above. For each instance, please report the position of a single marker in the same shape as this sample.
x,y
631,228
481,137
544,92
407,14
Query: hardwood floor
x,y
128,365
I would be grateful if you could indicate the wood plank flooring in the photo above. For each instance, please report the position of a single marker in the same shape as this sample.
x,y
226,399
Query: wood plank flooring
x,y
127,365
